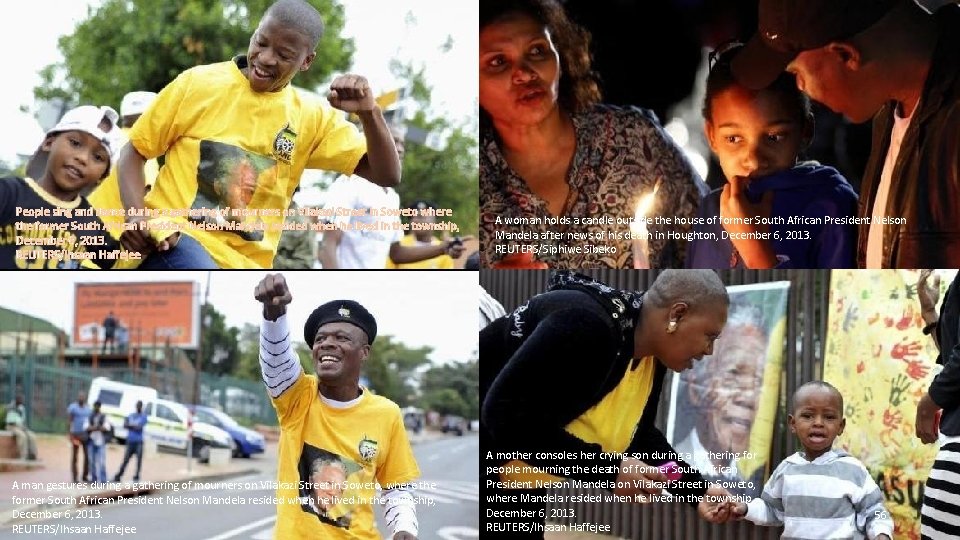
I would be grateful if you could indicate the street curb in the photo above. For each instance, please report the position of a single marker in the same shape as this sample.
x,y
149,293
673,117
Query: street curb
x,y
8,520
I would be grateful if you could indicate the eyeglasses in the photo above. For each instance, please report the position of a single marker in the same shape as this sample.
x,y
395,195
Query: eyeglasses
x,y
723,52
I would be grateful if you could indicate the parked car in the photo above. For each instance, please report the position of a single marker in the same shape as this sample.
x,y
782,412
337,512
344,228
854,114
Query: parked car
x,y
413,419
117,400
247,441
453,424
167,421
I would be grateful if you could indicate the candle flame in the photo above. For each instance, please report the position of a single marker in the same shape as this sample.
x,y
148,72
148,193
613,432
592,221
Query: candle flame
x,y
644,205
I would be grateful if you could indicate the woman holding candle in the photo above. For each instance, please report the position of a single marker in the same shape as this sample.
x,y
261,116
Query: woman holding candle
x,y
757,135
578,371
555,165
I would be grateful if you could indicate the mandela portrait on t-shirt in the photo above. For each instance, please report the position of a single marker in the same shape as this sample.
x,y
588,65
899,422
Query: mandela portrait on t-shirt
x,y
324,480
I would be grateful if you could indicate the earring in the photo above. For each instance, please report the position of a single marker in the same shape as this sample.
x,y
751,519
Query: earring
x,y
671,326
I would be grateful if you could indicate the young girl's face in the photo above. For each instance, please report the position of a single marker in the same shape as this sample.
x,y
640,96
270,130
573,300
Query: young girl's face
x,y
77,160
754,133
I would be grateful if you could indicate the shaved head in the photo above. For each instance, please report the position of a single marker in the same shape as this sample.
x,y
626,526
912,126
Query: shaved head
x,y
693,287
806,388
299,15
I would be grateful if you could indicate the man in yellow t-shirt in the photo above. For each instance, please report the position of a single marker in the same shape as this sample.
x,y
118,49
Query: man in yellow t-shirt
x,y
337,439
236,138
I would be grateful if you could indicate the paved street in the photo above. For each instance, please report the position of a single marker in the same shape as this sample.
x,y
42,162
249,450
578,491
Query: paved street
x,y
448,508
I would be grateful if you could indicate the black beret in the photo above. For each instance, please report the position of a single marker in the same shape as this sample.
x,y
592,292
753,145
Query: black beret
x,y
340,311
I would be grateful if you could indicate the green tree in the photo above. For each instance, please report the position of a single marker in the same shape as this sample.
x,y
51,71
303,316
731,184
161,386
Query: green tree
x,y
440,384
127,45
248,348
449,176
390,367
445,401
247,365
220,342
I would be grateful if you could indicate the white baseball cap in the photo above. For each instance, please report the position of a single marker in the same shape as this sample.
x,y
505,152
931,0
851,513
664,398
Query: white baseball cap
x,y
87,118
136,103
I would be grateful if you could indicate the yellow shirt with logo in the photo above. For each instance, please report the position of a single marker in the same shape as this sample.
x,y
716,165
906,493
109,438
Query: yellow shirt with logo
x,y
368,438
440,262
234,158
107,195
106,199
610,423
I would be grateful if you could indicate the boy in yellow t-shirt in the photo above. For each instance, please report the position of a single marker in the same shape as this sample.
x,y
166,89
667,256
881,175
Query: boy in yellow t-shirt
x,y
337,440
236,138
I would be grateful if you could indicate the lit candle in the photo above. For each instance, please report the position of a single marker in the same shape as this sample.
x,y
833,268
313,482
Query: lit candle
x,y
638,229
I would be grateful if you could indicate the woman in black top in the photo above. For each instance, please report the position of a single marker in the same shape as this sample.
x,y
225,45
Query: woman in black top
x,y
940,512
568,351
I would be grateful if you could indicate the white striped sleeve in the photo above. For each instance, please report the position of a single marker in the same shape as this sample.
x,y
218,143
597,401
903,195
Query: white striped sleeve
x,y
767,509
279,363
400,510
870,509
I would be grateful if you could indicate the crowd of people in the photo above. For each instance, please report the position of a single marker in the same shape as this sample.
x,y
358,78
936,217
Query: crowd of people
x,y
187,179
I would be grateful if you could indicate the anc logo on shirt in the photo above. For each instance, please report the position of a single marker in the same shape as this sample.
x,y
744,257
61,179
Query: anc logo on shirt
x,y
284,143
367,449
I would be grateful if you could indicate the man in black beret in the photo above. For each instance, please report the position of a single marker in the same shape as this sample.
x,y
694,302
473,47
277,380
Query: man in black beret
x,y
331,414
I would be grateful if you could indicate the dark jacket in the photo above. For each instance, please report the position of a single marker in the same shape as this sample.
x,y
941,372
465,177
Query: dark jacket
x,y
551,360
925,189
809,190
945,388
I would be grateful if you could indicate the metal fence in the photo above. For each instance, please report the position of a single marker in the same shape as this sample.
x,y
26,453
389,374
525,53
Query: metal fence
x,y
803,361
48,389
246,401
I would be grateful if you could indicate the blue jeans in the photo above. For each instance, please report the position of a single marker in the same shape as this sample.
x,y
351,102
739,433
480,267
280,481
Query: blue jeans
x,y
98,462
188,255
133,448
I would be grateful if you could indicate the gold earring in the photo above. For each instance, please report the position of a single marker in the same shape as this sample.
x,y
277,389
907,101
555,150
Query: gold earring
x,y
671,327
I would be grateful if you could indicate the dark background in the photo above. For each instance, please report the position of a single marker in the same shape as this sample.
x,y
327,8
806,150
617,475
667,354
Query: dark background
x,y
648,52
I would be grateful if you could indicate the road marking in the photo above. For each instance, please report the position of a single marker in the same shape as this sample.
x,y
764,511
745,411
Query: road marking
x,y
449,491
460,494
459,447
234,532
457,533
433,457
266,534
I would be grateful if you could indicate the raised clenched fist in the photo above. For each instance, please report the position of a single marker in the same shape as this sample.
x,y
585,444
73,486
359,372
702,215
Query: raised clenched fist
x,y
273,293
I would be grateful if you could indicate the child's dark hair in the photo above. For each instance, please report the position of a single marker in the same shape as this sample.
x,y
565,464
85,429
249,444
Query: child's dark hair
x,y
818,384
721,77
300,15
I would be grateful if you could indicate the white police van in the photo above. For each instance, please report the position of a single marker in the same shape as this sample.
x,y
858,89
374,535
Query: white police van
x,y
167,421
